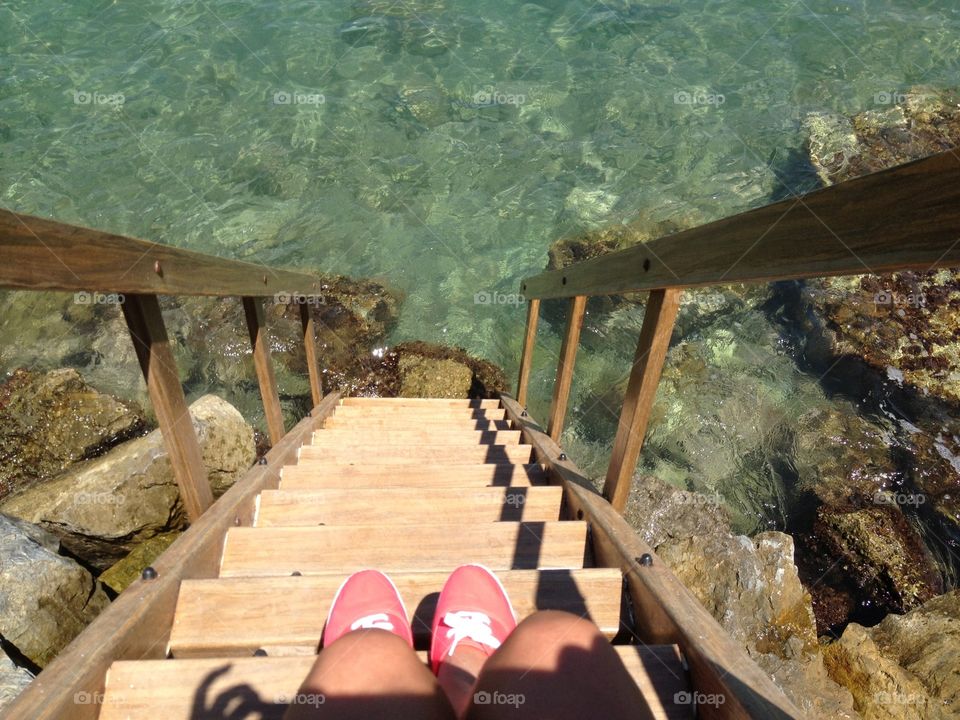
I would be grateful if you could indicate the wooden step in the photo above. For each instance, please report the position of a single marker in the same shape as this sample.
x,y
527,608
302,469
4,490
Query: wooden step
x,y
403,548
429,424
414,436
457,404
353,506
420,454
314,474
413,414
233,617
184,689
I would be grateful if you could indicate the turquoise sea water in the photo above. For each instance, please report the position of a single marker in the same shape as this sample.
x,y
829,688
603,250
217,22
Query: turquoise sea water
x,y
442,145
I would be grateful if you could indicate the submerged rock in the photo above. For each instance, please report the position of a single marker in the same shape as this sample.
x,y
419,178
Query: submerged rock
x,y
895,338
46,599
905,667
50,420
208,337
877,554
102,509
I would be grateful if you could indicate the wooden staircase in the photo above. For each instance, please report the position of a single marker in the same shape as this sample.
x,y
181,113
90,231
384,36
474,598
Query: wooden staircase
x,y
411,487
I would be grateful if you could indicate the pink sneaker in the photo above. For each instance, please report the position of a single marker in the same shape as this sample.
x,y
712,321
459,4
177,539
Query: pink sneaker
x,y
367,599
473,610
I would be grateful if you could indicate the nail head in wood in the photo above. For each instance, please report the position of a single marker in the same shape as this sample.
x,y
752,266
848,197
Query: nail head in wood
x,y
563,457
149,573
262,461
646,559
157,268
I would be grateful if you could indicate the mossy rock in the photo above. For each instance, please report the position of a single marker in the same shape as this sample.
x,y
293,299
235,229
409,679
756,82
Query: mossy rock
x,y
120,575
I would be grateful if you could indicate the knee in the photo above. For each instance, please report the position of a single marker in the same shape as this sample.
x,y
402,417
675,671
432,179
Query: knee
x,y
370,643
556,624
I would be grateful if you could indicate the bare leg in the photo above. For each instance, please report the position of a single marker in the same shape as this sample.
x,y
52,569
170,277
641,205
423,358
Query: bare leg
x,y
555,665
370,674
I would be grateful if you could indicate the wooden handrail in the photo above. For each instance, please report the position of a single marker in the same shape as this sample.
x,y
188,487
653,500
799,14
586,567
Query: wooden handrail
x,y
904,218
39,254
907,217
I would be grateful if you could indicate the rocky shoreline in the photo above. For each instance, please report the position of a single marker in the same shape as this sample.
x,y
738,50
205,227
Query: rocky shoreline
x,y
847,599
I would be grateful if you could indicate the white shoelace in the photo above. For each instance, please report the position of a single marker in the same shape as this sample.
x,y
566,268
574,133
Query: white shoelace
x,y
379,621
473,625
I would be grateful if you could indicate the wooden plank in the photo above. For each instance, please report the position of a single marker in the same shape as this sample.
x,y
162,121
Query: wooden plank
x,y
172,689
434,403
666,611
907,217
145,322
421,455
257,327
344,549
371,424
568,356
232,617
310,352
658,322
137,623
309,475
526,354
40,254
439,436
370,506
409,413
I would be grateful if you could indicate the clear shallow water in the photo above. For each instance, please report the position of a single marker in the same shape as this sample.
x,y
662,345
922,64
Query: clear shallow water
x,y
442,144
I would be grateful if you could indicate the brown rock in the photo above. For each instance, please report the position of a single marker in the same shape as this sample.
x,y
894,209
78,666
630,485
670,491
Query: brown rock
x,y
49,421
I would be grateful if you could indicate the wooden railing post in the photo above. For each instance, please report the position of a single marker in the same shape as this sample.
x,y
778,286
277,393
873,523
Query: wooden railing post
x,y
568,356
142,313
310,348
526,355
658,321
256,324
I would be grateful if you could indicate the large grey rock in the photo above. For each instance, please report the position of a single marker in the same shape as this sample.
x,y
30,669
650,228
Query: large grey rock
x,y
13,679
105,507
46,599
50,420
